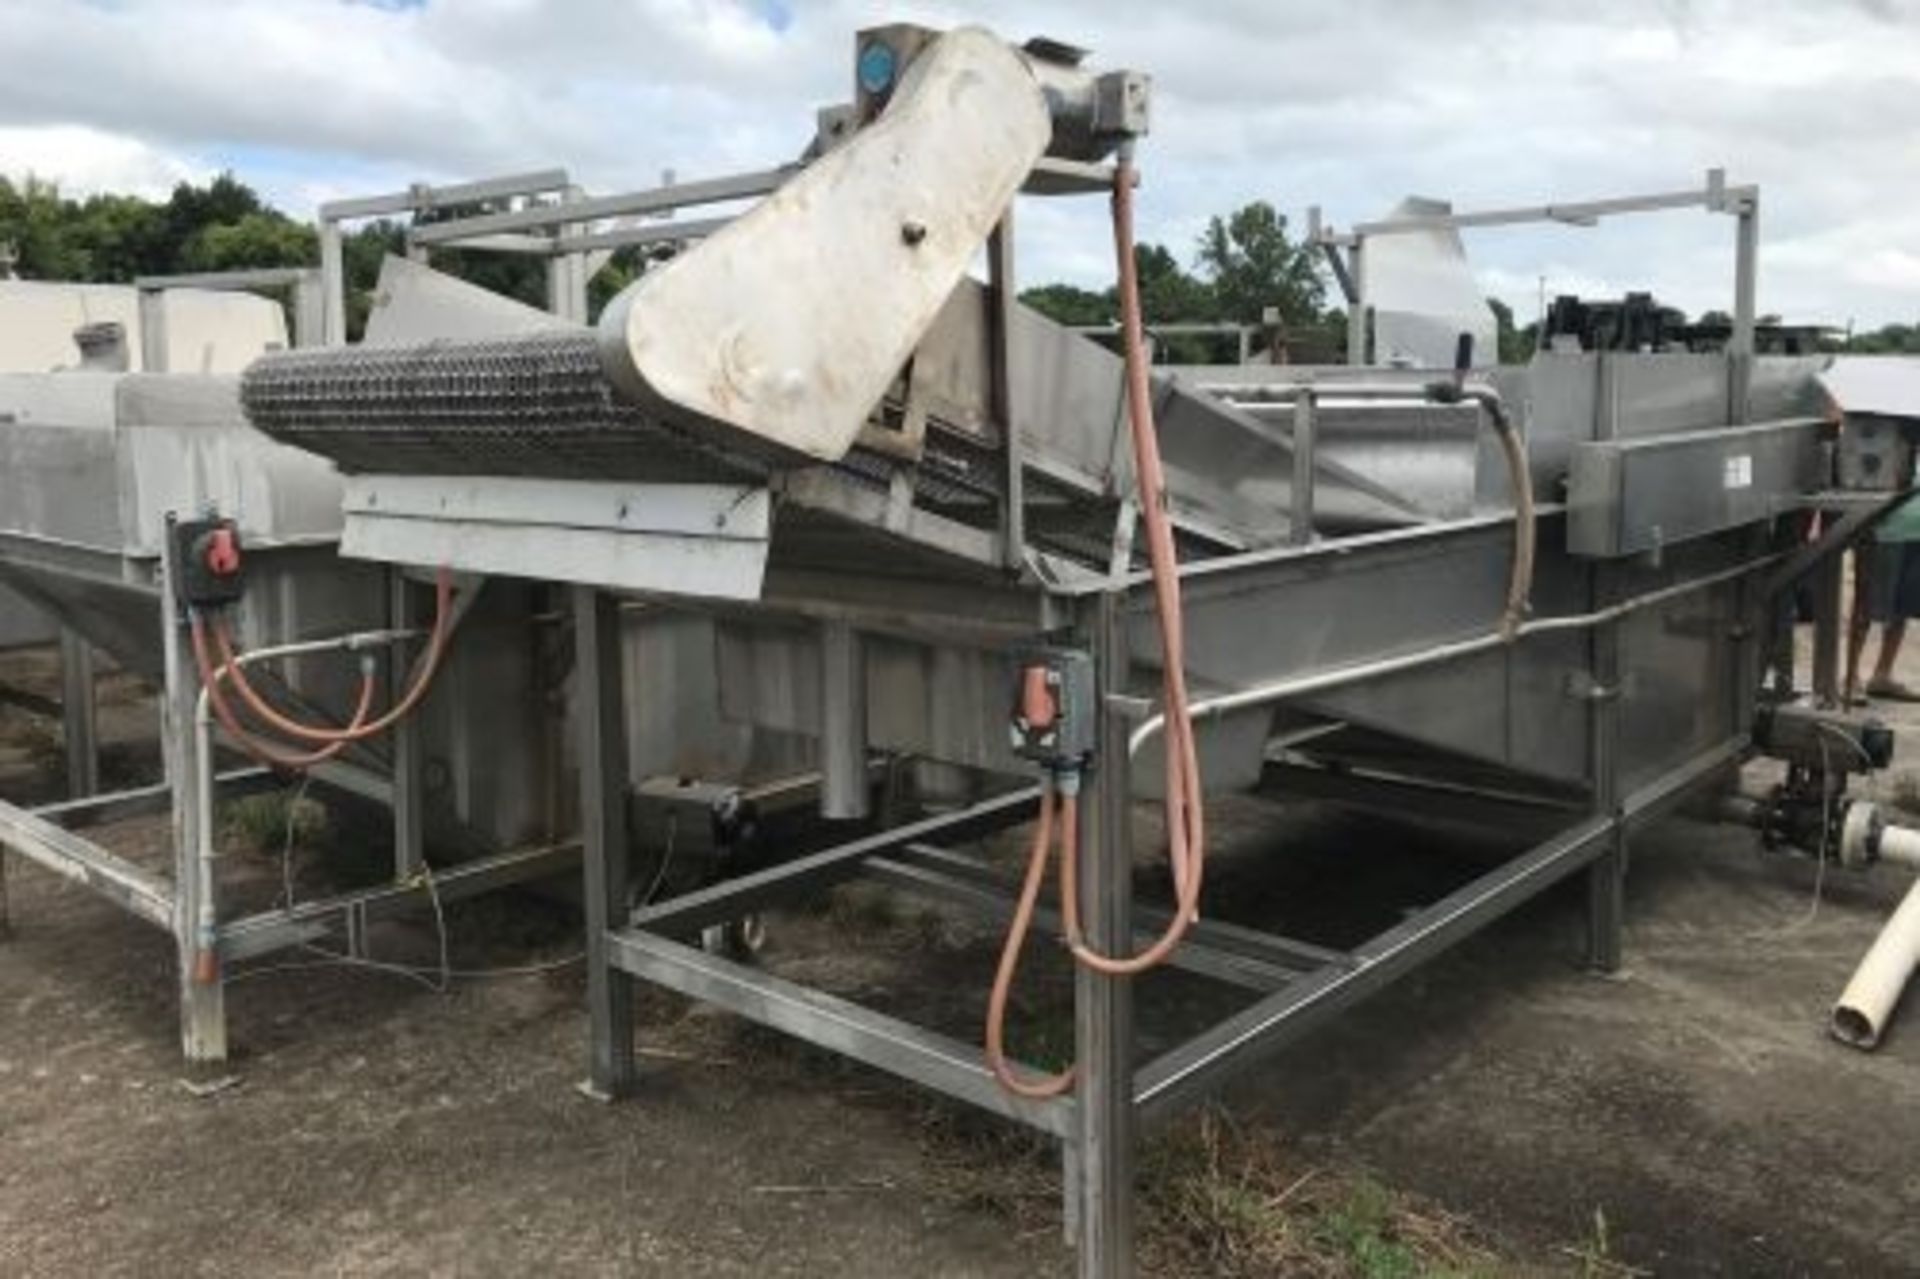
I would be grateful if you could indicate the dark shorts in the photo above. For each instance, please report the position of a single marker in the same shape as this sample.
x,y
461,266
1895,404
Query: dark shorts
x,y
1894,593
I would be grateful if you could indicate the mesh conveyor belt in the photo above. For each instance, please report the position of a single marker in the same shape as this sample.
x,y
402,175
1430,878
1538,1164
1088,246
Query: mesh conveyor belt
x,y
540,405
534,405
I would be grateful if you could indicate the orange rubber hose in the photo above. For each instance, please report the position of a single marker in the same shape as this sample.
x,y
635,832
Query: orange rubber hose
x,y
270,755
429,666
1186,827
1048,1085
1186,817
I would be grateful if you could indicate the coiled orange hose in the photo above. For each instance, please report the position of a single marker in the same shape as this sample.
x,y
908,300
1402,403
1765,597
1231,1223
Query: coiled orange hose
x,y
1186,825
429,666
273,756
1186,817
1049,1085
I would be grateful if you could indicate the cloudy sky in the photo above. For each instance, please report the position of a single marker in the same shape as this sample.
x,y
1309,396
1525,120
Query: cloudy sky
x,y
1348,105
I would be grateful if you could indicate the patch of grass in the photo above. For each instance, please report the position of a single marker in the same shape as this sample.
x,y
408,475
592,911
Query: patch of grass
x,y
1218,1200
1595,1253
1362,1228
260,824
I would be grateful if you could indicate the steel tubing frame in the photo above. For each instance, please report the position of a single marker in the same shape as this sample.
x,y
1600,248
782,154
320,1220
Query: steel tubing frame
x,y
1298,985
49,836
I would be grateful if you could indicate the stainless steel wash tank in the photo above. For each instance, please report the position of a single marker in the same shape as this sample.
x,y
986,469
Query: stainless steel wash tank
x,y
1346,538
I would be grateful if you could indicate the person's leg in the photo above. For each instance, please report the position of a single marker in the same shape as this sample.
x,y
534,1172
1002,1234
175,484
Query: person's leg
x,y
1860,619
1899,600
1890,636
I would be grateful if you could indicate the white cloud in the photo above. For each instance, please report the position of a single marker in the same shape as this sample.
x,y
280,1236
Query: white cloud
x,y
1349,106
86,161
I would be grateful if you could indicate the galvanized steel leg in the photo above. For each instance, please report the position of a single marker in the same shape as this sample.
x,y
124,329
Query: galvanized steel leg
x,y
333,285
1300,517
1746,269
1357,308
1003,298
409,756
79,723
1606,878
1825,583
844,784
203,1008
1103,1006
603,833
1606,905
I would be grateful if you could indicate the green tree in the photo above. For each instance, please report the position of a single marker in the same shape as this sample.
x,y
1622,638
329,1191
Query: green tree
x,y
34,219
1070,304
1889,339
120,236
1251,265
254,240
1516,344
1169,294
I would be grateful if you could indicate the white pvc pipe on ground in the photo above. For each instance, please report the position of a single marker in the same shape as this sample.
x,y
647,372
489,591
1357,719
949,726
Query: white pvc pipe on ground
x,y
1900,846
1868,1002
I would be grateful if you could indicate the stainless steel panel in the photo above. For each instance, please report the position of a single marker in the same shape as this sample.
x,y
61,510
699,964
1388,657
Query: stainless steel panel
x,y
1554,399
1786,386
412,302
58,469
1652,491
23,623
696,540
1646,394
97,460
1679,664
1427,455
1285,613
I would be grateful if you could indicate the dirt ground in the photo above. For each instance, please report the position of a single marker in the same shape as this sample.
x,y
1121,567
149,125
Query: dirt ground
x,y
1686,1117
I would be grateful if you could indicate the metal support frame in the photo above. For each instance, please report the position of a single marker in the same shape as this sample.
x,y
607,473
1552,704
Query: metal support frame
x,y
677,195
567,272
845,787
1358,321
1100,1162
50,836
1714,196
1606,878
1746,278
1297,986
418,198
307,284
79,714
1826,585
1300,516
409,751
599,707
1098,1126
1003,299
203,1009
